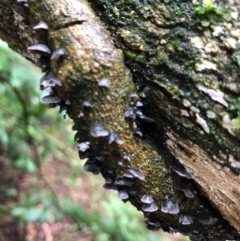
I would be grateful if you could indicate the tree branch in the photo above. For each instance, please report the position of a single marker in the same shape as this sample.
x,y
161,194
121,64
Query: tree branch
x,y
185,112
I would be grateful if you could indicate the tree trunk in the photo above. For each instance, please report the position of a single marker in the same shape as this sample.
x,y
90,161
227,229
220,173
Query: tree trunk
x,y
152,87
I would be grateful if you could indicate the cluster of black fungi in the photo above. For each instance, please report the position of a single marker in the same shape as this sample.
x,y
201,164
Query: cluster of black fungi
x,y
126,185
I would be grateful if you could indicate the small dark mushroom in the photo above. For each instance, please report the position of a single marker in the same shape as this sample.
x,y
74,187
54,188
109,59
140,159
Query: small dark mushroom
x,y
84,146
170,206
121,182
57,54
80,115
138,113
139,104
127,158
130,113
49,80
41,25
91,166
128,174
98,130
67,102
150,207
188,193
123,195
146,119
138,133
39,48
132,191
136,173
51,99
21,1
185,219
207,220
114,138
134,96
181,171
147,199
87,104
104,82
153,225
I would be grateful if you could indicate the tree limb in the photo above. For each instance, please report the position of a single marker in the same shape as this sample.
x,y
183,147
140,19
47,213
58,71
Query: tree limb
x,y
186,90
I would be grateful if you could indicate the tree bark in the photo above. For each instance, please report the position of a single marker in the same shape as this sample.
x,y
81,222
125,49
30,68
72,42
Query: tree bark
x,y
177,138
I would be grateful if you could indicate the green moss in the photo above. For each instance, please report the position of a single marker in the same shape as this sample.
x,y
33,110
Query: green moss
x,y
208,6
236,56
176,43
205,23
159,59
134,56
234,104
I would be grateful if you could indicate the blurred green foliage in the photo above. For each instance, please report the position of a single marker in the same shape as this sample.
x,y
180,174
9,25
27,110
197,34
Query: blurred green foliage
x,y
21,113
121,221
29,135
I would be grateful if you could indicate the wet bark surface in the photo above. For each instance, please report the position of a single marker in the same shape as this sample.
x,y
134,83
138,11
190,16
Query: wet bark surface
x,y
165,127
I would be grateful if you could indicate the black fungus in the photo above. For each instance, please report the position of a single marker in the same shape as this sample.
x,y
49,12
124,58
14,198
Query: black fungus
x,y
185,219
138,133
80,115
41,25
127,158
114,138
68,102
181,171
51,99
84,146
57,54
136,173
109,186
147,199
128,174
188,193
39,48
149,208
138,113
132,191
139,104
170,206
109,180
153,225
121,182
87,104
130,113
123,195
91,166
146,119
109,183
49,80
104,82
133,96
207,220
98,130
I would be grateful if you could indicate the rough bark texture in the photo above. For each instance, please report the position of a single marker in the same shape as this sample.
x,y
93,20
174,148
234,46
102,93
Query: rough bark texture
x,y
183,61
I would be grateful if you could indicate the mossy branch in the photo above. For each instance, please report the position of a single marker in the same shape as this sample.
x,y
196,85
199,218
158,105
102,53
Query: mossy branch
x,y
142,143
